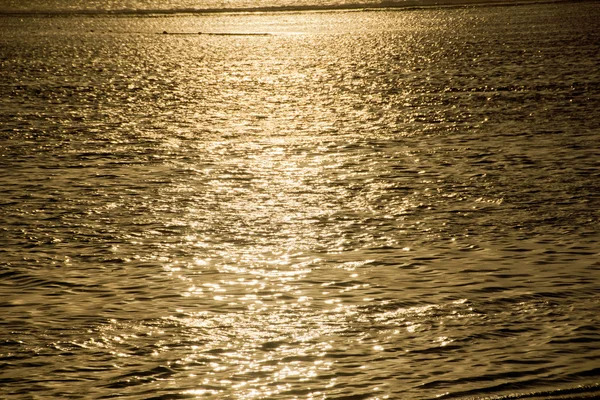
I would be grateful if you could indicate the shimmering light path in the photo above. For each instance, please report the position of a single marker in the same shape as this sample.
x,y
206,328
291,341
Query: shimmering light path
x,y
365,205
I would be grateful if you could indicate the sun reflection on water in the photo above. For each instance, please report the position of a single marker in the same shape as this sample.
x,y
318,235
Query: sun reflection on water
x,y
294,216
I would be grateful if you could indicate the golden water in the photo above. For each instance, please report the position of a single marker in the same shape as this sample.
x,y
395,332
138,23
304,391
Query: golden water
x,y
393,204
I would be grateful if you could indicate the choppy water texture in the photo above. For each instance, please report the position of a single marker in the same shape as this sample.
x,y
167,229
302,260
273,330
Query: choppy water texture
x,y
396,204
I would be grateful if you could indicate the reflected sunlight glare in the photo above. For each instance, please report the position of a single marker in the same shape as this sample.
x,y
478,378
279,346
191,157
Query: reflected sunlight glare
x,y
299,205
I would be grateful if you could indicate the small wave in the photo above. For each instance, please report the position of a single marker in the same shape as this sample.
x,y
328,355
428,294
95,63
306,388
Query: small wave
x,y
591,391
575,393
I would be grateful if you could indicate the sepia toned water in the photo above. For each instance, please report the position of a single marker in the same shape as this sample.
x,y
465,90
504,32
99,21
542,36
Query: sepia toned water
x,y
398,204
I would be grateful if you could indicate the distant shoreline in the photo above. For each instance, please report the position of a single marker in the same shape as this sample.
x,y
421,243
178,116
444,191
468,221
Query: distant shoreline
x,y
387,5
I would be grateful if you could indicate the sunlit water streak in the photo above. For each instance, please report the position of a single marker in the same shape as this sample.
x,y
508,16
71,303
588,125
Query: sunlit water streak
x,y
391,204
220,6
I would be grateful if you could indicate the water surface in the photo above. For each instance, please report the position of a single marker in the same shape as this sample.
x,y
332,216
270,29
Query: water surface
x,y
390,204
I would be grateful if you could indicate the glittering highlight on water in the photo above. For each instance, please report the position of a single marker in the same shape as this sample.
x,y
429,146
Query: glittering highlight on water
x,y
400,203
